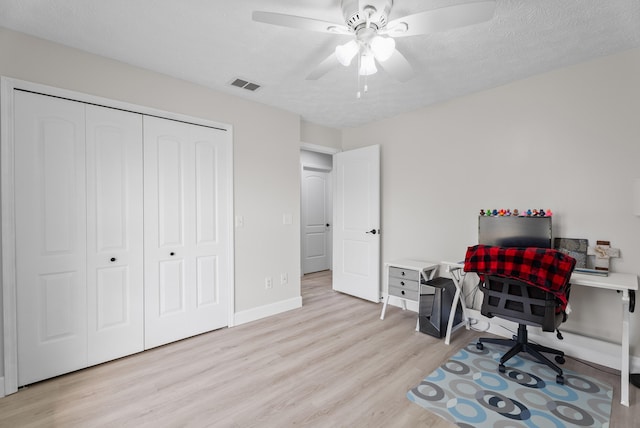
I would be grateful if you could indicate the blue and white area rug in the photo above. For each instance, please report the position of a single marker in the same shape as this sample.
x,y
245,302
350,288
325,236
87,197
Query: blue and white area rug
x,y
469,391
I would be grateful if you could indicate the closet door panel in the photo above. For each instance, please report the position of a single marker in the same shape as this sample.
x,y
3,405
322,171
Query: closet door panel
x,y
182,223
206,197
210,218
114,304
50,236
170,191
114,234
166,314
172,292
208,291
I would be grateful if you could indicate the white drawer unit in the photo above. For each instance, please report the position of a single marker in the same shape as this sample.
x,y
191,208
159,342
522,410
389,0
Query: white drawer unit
x,y
403,281
401,286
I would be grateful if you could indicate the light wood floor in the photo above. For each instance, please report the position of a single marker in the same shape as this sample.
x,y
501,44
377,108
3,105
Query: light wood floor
x,y
331,363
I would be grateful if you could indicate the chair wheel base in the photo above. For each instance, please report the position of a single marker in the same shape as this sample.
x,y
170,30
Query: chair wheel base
x,y
479,346
560,380
560,359
502,368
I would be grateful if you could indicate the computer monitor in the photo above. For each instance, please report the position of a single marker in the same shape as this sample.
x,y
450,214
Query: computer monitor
x,y
511,231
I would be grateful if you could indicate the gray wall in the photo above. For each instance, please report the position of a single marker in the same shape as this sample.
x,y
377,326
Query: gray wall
x,y
320,135
567,140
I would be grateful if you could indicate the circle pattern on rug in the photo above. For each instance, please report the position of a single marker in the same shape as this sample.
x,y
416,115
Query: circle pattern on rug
x,y
469,391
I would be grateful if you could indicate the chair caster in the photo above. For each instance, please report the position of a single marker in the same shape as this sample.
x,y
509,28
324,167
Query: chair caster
x,y
560,380
502,368
479,346
560,359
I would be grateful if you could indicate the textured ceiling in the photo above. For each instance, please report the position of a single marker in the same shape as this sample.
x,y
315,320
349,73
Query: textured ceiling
x,y
211,42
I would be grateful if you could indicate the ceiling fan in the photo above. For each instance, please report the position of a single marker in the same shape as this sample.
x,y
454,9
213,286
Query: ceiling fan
x,y
366,21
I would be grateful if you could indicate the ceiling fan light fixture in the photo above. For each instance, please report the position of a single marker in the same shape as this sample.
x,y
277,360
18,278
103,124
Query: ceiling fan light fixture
x,y
367,65
345,53
366,19
382,47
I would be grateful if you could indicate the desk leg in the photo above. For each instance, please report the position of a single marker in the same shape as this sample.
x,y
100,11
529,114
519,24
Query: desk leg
x,y
457,281
452,315
384,307
624,369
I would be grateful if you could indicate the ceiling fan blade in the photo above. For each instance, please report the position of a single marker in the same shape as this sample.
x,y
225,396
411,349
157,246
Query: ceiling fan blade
x,y
324,67
300,22
443,19
398,67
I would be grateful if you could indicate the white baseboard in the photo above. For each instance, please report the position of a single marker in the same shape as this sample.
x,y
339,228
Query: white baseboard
x,y
573,345
267,310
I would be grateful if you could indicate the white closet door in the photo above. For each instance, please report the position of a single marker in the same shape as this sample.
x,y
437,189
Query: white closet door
x,y
50,217
114,234
185,223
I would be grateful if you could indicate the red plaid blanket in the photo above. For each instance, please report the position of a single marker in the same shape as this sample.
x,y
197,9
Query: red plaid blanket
x,y
544,268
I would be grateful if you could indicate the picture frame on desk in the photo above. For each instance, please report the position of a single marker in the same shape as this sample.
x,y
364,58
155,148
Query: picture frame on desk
x,y
576,248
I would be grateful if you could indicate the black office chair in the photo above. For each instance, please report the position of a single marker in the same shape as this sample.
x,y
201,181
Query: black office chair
x,y
524,304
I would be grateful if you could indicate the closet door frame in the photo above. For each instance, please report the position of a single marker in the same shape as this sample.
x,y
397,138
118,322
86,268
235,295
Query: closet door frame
x,y
7,88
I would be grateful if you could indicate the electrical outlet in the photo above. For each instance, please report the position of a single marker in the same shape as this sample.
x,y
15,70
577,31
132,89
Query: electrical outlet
x,y
268,283
284,279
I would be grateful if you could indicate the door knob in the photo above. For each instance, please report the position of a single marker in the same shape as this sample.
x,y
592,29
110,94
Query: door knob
x,y
372,231
172,253
327,225
112,259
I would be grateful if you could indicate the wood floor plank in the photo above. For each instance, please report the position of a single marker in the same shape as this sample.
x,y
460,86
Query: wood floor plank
x,y
332,362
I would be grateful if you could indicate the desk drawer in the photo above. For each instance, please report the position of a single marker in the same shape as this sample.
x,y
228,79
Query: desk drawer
x,y
409,274
404,293
403,283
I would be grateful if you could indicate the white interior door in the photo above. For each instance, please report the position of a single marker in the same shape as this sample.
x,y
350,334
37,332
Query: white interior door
x,y
356,225
114,234
50,216
316,220
185,223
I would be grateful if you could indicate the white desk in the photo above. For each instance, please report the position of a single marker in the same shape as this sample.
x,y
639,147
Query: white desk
x,y
403,278
627,283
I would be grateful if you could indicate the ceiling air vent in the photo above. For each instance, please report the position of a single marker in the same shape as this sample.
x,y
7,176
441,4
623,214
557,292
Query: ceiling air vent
x,y
249,86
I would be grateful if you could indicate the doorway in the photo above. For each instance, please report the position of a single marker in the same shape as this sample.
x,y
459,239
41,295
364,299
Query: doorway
x,y
348,245
316,211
